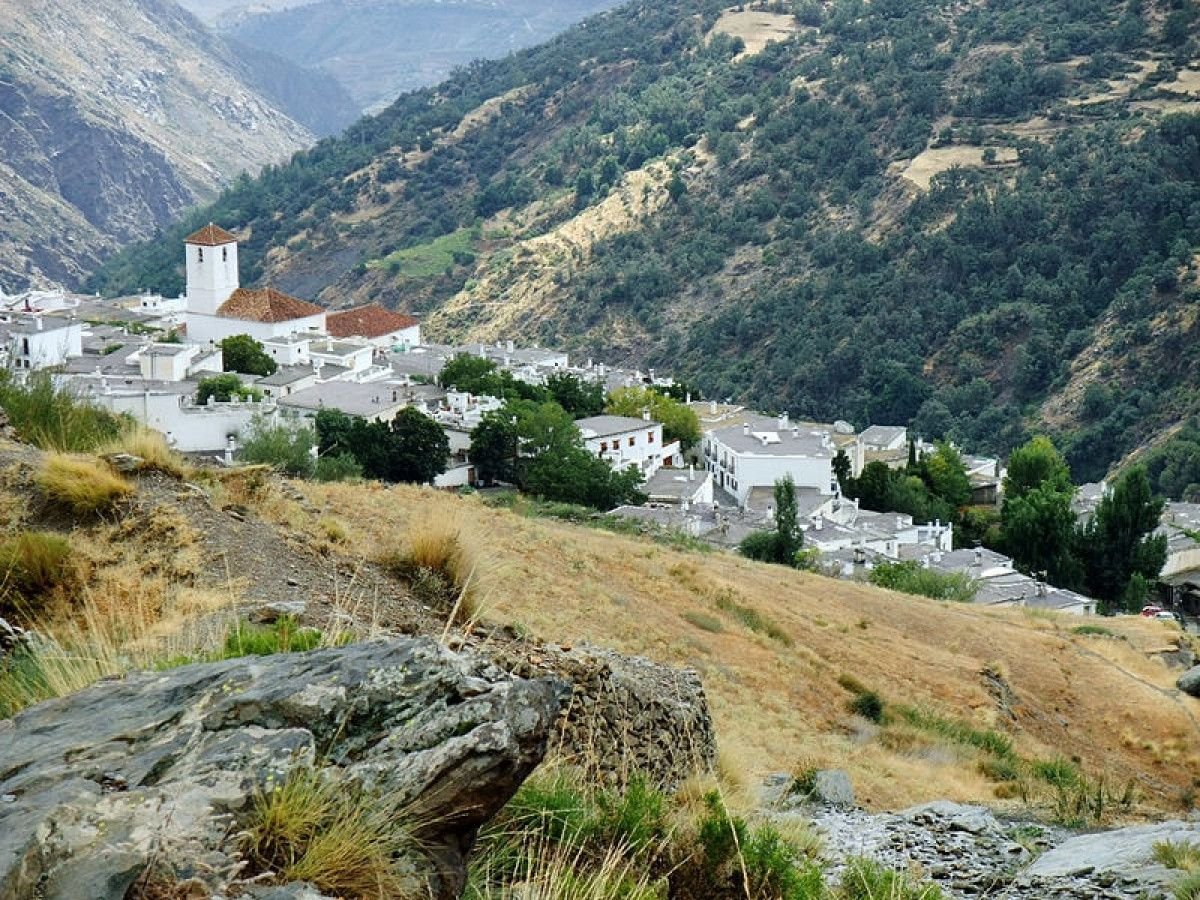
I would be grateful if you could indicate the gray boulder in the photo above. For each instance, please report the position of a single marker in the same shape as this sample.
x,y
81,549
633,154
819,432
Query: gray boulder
x,y
160,768
1189,681
1125,851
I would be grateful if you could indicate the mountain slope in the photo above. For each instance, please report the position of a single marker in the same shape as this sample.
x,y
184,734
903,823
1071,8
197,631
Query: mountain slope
x,y
116,115
919,212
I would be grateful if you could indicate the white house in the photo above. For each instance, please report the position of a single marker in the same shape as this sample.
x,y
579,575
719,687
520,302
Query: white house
x,y
188,427
38,342
175,362
381,327
625,441
882,438
760,450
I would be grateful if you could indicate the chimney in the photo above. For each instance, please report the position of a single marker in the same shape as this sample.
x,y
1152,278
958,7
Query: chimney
x,y
746,429
783,422
651,375
795,432
509,346
688,399
818,523
229,450
38,321
712,407
978,556
691,471
646,414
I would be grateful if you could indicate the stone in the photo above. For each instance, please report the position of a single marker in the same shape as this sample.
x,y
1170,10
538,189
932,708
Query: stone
x,y
832,787
1123,851
12,636
124,462
161,767
270,613
1189,681
954,817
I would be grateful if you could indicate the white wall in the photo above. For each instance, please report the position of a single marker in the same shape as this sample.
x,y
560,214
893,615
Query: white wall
x,y
763,471
188,428
646,451
52,346
203,329
212,275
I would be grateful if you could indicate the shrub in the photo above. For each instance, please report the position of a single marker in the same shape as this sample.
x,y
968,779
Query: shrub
x,y
704,621
338,467
285,635
286,449
1057,772
314,828
1184,855
726,601
55,418
869,705
1098,630
866,879
1188,888
83,484
31,564
910,577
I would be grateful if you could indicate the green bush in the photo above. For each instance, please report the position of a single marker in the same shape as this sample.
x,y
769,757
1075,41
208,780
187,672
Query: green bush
x,y
287,449
869,705
338,467
285,635
31,564
866,879
1188,887
910,577
55,418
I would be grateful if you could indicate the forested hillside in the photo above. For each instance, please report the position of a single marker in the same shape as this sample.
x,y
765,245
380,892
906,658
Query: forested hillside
x,y
982,218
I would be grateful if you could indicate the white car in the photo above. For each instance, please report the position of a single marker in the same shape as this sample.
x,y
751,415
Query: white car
x,y
1164,614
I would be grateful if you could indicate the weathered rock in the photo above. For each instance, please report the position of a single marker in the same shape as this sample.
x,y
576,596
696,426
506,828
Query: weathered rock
x,y
953,817
832,787
11,636
7,432
1128,851
1189,681
161,766
124,462
627,715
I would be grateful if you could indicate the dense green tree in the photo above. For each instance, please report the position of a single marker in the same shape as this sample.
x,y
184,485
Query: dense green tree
x,y
242,353
1038,531
494,446
946,475
224,388
1121,553
1036,464
842,468
417,447
578,396
467,372
679,421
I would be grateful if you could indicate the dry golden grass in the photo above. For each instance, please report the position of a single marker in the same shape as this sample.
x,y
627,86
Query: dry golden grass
x,y
941,159
756,28
151,447
773,704
83,484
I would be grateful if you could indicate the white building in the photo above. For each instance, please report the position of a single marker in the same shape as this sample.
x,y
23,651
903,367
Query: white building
x,y
188,427
883,438
625,441
38,341
758,451
218,307
176,362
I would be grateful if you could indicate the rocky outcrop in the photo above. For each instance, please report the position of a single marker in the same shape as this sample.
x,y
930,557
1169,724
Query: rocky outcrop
x,y
626,716
1189,681
161,768
968,852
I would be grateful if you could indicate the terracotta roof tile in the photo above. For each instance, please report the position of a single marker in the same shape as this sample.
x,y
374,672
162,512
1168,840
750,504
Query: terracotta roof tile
x,y
370,321
210,236
266,305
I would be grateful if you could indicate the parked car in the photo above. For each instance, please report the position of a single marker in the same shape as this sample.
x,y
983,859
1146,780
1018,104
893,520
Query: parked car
x,y
1165,614
1151,612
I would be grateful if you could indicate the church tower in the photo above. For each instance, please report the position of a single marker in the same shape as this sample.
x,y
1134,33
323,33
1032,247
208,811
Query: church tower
x,y
212,268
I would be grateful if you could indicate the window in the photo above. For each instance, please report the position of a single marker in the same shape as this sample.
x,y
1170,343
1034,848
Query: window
x,y
199,254
604,446
631,442
224,254
650,437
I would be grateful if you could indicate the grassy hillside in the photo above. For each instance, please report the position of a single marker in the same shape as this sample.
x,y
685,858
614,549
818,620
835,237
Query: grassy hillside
x,y
959,216
158,565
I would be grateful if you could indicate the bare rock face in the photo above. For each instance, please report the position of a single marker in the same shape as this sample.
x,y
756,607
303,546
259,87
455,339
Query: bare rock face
x,y
159,769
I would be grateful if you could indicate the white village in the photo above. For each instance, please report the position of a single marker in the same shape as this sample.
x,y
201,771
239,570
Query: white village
x,y
146,356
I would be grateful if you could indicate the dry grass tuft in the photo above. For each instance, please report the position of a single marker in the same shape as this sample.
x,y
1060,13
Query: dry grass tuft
x,y
442,559
83,484
313,828
151,447
32,563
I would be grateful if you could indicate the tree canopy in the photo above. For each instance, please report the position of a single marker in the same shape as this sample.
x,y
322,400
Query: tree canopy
x,y
242,353
679,421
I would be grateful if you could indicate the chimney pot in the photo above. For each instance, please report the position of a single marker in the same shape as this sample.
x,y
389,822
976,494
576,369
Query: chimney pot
x,y
745,428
